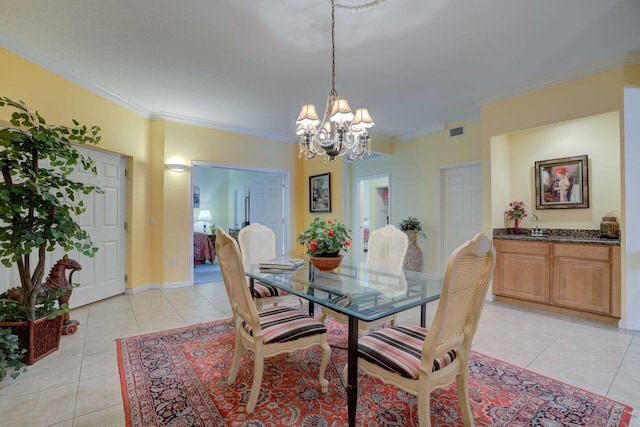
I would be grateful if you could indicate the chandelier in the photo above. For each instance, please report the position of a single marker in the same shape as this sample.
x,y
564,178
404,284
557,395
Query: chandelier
x,y
341,132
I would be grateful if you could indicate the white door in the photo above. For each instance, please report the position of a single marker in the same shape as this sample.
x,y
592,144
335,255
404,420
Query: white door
x,y
461,196
103,275
266,206
239,207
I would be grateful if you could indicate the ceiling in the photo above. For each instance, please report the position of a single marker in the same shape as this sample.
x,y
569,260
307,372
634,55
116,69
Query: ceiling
x,y
249,65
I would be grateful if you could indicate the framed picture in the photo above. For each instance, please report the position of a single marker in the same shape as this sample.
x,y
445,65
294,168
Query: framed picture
x,y
320,193
562,183
196,196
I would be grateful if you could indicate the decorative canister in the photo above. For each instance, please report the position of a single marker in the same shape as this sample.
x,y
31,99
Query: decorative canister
x,y
609,227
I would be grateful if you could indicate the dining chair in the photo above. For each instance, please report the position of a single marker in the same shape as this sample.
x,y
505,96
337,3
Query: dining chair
x,y
385,257
419,360
267,332
258,243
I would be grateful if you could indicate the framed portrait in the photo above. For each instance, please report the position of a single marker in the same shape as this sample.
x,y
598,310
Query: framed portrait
x,y
320,193
562,183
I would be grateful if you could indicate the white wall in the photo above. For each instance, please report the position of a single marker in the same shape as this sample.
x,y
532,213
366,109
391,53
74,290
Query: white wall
x,y
631,247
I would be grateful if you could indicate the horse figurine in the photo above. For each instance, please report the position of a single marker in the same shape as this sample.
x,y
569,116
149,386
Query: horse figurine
x,y
57,280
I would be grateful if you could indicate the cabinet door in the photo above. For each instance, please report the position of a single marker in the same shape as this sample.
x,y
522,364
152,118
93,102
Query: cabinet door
x,y
523,277
582,284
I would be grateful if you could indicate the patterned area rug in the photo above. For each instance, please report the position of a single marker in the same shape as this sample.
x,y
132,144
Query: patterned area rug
x,y
178,378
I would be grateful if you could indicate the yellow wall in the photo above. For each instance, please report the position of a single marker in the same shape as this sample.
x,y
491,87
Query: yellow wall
x,y
338,185
188,142
123,132
152,190
597,136
597,98
414,180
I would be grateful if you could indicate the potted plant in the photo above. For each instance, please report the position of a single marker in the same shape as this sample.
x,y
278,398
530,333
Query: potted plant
x,y
10,354
413,227
324,240
38,202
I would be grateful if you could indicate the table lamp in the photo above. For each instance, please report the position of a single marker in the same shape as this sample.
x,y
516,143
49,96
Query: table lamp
x,y
204,216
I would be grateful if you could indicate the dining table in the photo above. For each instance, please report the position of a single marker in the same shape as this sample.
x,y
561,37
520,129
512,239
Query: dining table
x,y
360,292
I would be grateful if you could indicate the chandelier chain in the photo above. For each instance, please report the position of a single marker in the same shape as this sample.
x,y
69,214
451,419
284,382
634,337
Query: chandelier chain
x,y
340,132
333,48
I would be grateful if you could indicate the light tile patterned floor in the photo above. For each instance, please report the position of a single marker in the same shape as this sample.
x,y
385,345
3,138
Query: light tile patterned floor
x,y
79,384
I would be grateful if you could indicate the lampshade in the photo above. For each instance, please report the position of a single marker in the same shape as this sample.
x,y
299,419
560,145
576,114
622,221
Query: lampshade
x,y
204,215
362,119
341,112
308,116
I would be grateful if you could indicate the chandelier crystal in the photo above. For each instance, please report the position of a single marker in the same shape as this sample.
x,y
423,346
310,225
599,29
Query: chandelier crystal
x,y
341,132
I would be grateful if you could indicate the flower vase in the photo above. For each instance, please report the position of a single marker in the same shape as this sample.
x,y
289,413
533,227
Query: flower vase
x,y
516,225
413,259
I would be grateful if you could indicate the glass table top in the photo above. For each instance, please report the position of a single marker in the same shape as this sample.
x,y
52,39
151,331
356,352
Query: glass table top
x,y
356,290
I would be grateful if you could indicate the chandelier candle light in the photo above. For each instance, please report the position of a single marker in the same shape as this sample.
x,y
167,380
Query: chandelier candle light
x,y
341,132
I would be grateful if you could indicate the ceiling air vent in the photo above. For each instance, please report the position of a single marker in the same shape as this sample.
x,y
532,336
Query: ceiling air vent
x,y
456,131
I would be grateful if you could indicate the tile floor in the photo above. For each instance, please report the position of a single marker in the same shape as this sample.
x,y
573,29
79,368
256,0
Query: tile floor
x,y
79,385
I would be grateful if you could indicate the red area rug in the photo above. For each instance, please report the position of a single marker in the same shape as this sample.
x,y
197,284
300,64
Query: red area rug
x,y
178,378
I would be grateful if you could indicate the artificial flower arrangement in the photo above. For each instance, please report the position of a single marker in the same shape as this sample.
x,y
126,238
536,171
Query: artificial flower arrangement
x,y
516,210
325,238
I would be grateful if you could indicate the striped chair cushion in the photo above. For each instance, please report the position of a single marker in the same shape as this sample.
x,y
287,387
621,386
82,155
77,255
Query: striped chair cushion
x,y
261,290
398,349
282,324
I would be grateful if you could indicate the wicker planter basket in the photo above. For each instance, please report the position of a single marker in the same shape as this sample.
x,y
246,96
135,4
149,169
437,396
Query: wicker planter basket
x,y
40,337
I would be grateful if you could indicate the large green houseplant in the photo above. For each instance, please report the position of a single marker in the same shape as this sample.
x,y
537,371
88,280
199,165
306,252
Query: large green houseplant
x,y
38,202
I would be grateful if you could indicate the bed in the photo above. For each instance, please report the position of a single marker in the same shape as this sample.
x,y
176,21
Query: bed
x,y
203,249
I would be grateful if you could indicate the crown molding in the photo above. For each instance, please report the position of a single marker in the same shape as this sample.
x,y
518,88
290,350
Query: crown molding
x,y
439,127
163,115
593,68
632,58
55,67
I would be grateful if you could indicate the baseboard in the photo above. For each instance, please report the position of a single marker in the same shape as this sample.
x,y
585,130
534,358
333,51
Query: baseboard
x,y
632,326
161,286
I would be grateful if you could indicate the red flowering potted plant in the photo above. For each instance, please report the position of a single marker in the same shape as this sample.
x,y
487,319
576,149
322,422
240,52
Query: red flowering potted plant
x,y
324,240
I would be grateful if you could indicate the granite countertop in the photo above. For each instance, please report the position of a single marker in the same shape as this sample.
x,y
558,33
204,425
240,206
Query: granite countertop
x,y
556,235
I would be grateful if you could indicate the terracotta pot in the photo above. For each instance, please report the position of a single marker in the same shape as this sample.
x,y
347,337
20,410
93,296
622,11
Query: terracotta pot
x,y
326,263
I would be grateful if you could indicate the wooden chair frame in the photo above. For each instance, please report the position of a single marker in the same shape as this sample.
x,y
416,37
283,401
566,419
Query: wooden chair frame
x,y
244,310
467,277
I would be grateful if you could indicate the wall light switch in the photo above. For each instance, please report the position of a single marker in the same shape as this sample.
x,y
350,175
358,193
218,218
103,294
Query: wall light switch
x,y
172,260
153,220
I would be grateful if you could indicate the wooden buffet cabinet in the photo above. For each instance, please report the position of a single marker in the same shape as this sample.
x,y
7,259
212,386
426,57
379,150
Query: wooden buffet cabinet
x,y
573,277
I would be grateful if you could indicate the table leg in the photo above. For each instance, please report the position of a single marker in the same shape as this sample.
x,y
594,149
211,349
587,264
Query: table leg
x,y
423,315
352,374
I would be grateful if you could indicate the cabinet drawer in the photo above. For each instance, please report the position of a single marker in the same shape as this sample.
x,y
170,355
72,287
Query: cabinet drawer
x,y
595,252
524,247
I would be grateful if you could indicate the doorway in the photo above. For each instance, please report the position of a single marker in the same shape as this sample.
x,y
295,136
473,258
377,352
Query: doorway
x,y
372,210
237,196
102,276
